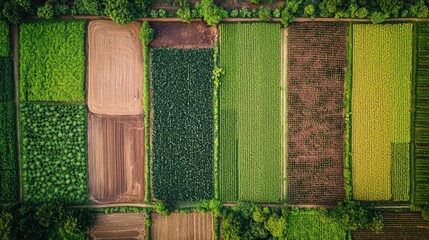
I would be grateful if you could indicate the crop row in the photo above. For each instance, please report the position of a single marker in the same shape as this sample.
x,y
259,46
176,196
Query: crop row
x,y
182,154
421,128
53,152
250,107
381,103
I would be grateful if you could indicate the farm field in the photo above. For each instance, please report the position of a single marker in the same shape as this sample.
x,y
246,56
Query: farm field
x,y
118,226
183,35
116,154
182,154
250,124
317,60
421,127
398,225
115,68
52,61
182,226
381,103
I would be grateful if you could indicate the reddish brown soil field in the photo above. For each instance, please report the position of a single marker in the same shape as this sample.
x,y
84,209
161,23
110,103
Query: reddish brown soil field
x,y
115,68
192,226
118,226
317,65
183,35
116,152
407,225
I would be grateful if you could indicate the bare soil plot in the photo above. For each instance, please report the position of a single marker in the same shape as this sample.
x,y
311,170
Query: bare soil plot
x,y
115,68
183,35
180,226
397,225
317,60
118,226
116,153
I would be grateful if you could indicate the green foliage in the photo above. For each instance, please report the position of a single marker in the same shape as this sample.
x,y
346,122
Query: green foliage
x,y
211,13
6,225
419,10
276,225
46,11
52,61
120,11
182,159
264,14
377,17
146,34
4,40
352,216
289,11
390,7
184,11
162,208
54,152
361,13
245,13
234,13
9,181
329,8
15,10
309,10
7,86
425,212
249,106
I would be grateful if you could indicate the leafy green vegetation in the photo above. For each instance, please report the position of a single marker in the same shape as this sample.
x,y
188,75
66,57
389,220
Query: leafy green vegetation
x,y
7,86
421,124
182,160
9,180
52,61
54,152
348,185
4,39
249,112
44,221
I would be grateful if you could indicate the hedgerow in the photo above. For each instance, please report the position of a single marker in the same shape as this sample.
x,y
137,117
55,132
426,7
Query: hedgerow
x,y
8,156
182,154
54,152
52,61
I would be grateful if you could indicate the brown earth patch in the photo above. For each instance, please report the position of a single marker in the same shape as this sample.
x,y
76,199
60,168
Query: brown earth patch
x,y
118,226
183,35
182,226
317,61
398,225
115,68
116,153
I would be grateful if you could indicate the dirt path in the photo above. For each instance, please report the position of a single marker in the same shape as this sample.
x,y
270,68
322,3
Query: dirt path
x,y
118,226
183,35
115,68
192,226
283,109
116,158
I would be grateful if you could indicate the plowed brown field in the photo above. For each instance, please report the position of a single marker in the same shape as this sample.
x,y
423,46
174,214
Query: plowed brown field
x,y
192,226
183,35
116,153
317,61
118,226
115,68
397,225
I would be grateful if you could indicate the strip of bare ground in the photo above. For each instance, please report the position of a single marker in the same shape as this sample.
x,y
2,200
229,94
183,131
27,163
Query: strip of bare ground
x,y
116,153
118,226
115,68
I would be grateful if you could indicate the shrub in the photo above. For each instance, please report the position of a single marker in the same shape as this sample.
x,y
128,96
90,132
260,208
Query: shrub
x,y
46,11
162,208
120,11
425,212
361,13
184,11
377,17
309,11
264,14
211,13
390,7
245,13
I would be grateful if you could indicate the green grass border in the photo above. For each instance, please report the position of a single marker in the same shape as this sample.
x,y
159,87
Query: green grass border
x,y
146,110
348,185
413,113
216,100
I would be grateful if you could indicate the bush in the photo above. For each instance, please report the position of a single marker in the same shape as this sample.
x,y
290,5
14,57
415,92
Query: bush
x,y
361,13
146,33
184,11
211,13
162,208
289,11
390,7
377,17
425,212
309,11
264,14
120,11
46,11
245,13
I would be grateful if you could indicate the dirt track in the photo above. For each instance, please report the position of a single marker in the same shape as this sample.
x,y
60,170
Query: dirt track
x,y
192,226
183,35
118,226
115,68
116,153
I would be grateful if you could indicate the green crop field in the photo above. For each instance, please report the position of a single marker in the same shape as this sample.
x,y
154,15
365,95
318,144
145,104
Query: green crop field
x,y
421,128
4,39
381,103
250,122
6,78
52,61
182,160
54,152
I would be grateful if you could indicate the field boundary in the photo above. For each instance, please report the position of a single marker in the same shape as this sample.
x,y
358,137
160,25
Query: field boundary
x,y
413,114
15,57
283,110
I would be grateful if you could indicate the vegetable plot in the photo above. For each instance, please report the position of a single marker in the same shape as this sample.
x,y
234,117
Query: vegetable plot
x,y
182,160
381,102
52,61
250,124
53,152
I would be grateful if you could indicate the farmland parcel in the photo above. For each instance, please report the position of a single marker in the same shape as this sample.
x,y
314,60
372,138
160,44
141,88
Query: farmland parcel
x,y
250,124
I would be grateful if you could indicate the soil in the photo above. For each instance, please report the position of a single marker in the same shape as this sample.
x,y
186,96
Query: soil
x,y
182,226
116,153
183,35
283,110
398,225
115,68
316,73
118,226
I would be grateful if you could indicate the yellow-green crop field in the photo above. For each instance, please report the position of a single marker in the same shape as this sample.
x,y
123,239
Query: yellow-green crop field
x,y
381,102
